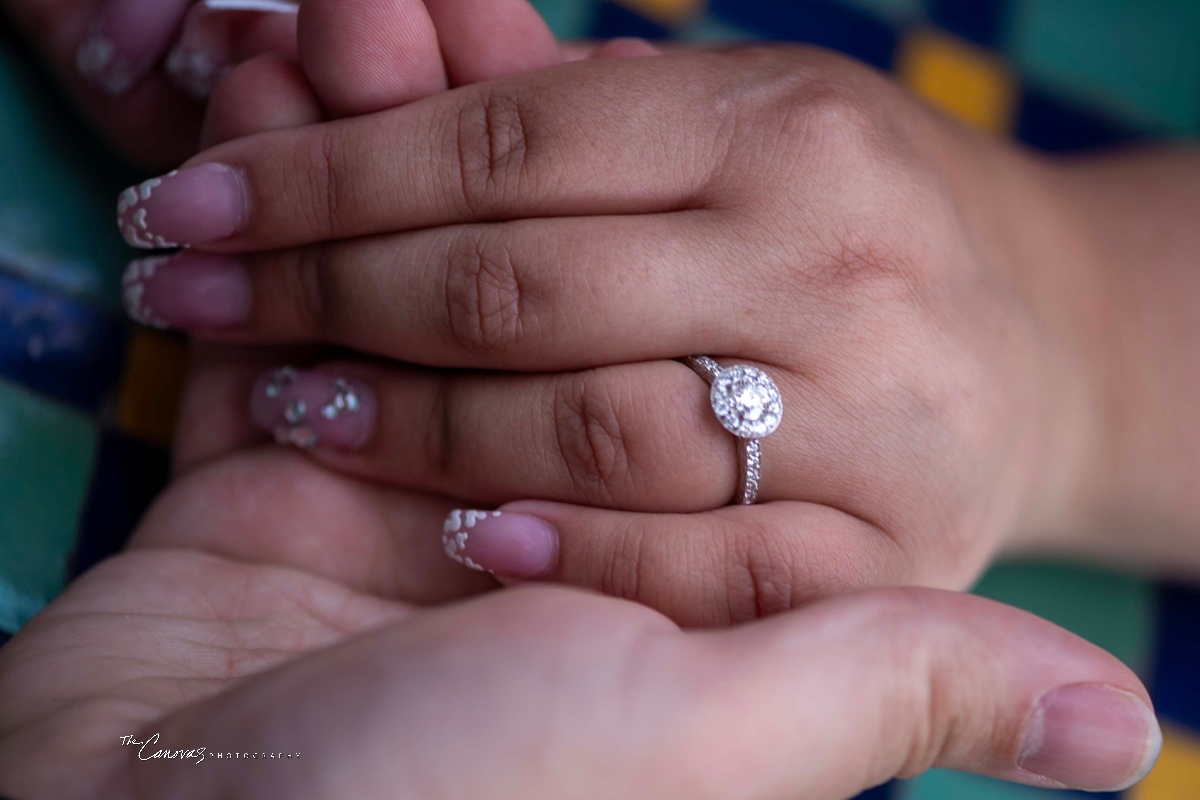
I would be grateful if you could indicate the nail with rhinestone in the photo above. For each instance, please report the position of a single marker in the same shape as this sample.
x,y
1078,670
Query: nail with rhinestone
x,y
306,409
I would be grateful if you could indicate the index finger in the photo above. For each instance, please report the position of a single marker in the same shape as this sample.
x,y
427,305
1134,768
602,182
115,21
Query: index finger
x,y
597,137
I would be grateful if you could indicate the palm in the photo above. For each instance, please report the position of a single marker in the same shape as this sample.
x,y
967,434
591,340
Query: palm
x,y
165,624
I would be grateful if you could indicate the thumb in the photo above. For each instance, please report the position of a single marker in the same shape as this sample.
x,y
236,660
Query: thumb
x,y
545,693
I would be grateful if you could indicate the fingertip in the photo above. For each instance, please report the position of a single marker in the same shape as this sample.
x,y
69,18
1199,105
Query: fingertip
x,y
218,36
626,47
370,55
268,92
487,39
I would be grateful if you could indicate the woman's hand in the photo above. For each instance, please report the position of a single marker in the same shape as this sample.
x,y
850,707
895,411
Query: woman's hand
x,y
140,69
268,606
580,226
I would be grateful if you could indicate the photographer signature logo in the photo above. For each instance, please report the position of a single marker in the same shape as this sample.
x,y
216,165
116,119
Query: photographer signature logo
x,y
149,751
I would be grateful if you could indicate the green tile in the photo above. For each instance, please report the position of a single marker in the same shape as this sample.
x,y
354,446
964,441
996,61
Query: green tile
x,y
57,195
1137,59
1113,610
46,453
940,784
569,19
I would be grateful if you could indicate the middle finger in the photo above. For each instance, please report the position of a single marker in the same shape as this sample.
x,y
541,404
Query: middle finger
x,y
525,295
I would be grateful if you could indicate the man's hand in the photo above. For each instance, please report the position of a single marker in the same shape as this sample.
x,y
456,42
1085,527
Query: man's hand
x,y
268,607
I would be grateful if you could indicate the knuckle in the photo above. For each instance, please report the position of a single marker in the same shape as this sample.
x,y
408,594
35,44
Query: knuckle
x,y
294,293
622,564
759,573
313,289
317,170
494,138
484,296
441,427
590,437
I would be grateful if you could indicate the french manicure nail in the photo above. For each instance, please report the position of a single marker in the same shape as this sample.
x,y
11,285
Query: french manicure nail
x,y
1092,737
184,207
123,42
189,291
504,543
305,409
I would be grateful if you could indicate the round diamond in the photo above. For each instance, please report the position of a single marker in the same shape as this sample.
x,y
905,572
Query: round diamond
x,y
746,401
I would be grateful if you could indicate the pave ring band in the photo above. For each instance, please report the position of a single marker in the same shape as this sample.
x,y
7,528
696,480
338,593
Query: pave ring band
x,y
748,405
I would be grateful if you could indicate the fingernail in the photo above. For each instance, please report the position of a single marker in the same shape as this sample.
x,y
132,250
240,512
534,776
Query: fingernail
x,y
195,72
189,291
184,207
123,42
1091,737
305,409
516,545
213,34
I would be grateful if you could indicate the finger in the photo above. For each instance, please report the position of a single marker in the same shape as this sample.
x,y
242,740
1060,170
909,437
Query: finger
x,y
482,40
529,294
550,143
618,704
369,55
212,417
265,93
626,47
634,436
272,506
708,569
124,41
217,35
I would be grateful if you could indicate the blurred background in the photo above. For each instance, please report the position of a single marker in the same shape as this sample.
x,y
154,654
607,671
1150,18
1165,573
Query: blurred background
x,y
88,401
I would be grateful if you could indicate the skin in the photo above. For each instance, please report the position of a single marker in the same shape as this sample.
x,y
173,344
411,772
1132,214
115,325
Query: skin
x,y
266,605
947,318
331,562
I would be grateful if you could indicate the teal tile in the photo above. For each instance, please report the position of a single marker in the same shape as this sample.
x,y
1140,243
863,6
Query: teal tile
x,y
1137,60
1113,610
569,19
706,29
894,10
46,454
940,784
58,190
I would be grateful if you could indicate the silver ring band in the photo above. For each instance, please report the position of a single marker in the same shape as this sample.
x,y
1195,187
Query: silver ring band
x,y
748,404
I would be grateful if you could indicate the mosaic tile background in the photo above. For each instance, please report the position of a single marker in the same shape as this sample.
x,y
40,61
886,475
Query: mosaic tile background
x,y
87,401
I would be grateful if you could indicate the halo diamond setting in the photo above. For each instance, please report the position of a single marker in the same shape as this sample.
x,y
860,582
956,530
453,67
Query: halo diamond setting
x,y
746,401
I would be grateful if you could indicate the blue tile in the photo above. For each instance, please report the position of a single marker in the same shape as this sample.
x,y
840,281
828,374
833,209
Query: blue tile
x,y
1175,684
980,21
1052,124
612,20
58,345
820,22
129,474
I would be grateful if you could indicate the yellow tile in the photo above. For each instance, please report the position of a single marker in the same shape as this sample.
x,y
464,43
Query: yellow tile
x,y
668,11
1176,776
151,388
960,79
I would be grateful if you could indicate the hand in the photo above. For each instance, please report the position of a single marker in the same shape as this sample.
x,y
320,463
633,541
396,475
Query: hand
x,y
137,69
581,225
267,606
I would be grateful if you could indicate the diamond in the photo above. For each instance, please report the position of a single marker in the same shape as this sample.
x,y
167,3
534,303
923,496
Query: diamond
x,y
746,401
